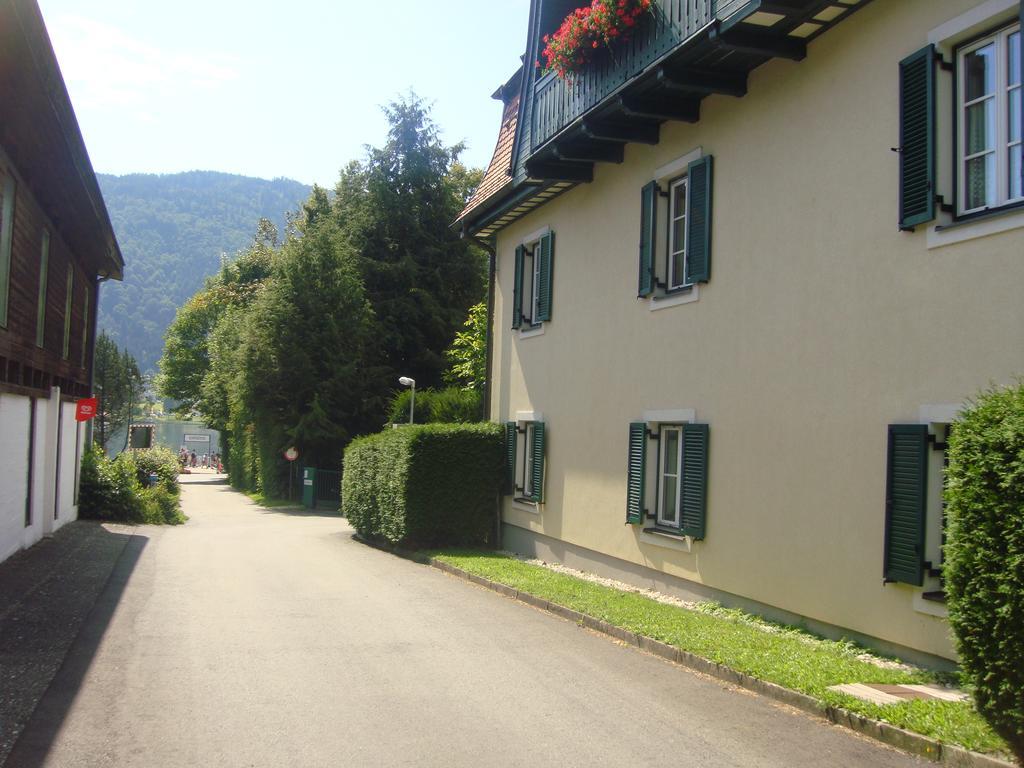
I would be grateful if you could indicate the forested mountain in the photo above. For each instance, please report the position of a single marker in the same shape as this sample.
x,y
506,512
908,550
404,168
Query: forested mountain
x,y
172,230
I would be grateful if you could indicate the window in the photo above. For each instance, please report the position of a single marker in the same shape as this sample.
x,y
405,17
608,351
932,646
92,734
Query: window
x,y
6,239
686,202
962,93
531,299
670,473
679,480
676,267
85,324
989,165
915,520
524,460
67,311
44,262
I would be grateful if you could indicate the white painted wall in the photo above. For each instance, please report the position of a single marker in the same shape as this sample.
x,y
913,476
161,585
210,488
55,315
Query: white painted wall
x,y
14,422
15,418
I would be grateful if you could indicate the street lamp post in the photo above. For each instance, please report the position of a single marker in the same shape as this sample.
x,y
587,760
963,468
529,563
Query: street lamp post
x,y
405,381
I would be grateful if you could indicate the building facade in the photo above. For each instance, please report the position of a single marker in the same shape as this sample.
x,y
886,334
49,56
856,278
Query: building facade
x,y
747,269
56,244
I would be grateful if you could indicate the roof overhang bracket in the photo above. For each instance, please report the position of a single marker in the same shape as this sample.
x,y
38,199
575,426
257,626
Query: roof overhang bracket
x,y
639,133
684,110
703,82
745,41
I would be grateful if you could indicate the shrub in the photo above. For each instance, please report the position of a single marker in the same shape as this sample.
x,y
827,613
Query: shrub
x,y
112,489
159,461
451,405
431,485
984,565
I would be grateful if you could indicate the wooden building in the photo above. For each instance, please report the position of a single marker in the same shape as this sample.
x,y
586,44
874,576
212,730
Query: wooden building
x,y
56,246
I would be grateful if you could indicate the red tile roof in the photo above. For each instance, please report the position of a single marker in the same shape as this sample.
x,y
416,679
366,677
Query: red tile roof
x,y
499,171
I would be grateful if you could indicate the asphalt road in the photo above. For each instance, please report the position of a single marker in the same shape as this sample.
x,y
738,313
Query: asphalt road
x,y
257,638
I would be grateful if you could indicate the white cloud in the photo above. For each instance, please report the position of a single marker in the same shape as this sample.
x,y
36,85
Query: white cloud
x,y
105,67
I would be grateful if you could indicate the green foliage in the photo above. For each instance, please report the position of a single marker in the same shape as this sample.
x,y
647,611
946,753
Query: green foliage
x,y
395,210
174,230
161,462
299,342
467,356
450,405
984,555
430,485
113,489
118,387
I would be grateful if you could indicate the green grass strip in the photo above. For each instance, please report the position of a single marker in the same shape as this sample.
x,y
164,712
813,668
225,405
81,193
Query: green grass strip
x,y
783,655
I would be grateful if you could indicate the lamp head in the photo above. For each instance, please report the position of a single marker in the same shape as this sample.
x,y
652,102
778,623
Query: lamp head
x,y
405,381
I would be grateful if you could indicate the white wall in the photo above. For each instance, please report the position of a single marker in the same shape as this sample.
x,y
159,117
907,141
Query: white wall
x,y
14,423
15,419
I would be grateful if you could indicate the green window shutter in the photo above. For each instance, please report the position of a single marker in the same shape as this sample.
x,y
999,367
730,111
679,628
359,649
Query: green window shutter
x,y
510,457
547,256
537,462
648,233
517,291
637,472
917,138
698,217
695,480
906,496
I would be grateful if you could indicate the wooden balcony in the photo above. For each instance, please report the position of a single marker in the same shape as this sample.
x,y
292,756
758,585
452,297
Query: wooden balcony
x,y
685,51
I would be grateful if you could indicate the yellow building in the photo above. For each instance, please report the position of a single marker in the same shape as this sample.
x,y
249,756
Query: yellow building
x,y
730,324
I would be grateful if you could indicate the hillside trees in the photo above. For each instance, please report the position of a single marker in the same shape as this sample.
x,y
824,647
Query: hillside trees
x,y
301,342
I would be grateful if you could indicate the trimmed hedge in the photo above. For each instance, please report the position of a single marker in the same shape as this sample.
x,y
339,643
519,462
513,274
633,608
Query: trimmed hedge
x,y
984,556
429,485
451,405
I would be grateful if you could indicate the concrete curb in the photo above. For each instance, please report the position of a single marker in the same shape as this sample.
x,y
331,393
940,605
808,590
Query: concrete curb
x,y
908,741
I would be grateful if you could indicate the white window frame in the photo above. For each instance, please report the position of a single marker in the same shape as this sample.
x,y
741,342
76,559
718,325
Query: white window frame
x,y
530,298
1001,96
523,474
669,177
677,251
658,421
663,431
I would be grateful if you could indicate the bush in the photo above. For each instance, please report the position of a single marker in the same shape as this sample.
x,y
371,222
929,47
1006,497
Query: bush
x,y
984,556
113,489
432,485
451,405
159,461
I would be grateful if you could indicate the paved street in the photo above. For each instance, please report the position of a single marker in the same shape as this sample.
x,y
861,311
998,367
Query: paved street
x,y
250,637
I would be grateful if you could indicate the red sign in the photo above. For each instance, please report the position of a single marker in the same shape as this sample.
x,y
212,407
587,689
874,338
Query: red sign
x,y
85,409
291,454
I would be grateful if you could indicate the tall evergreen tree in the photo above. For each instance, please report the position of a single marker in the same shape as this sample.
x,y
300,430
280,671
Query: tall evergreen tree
x,y
396,211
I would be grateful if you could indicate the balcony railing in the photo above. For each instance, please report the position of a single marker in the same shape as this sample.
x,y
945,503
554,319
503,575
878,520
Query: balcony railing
x,y
558,103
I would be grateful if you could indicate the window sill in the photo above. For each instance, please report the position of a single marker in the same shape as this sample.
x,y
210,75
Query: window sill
x,y
929,605
525,505
982,225
658,537
529,333
675,298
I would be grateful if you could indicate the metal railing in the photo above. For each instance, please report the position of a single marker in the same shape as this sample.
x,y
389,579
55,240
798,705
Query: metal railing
x,y
557,103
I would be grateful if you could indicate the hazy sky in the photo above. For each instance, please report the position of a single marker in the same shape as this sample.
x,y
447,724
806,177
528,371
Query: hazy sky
x,y
285,88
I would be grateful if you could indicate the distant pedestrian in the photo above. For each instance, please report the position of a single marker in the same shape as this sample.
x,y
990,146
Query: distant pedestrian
x,y
193,457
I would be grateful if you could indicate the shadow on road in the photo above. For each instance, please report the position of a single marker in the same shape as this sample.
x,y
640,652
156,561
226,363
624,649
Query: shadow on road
x,y
34,743
300,512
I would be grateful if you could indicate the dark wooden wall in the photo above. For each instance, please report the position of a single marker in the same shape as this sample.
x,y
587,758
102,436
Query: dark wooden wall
x,y
24,367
